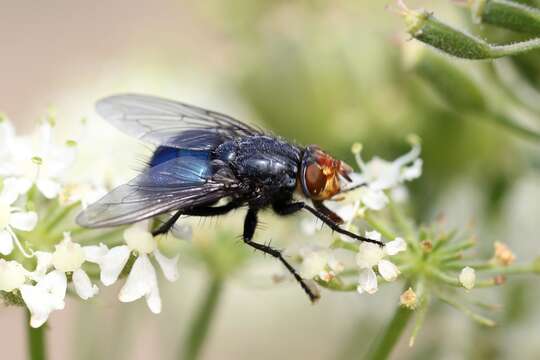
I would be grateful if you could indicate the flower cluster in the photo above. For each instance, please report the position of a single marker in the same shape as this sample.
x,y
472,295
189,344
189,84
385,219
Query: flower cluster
x,y
39,259
371,190
432,262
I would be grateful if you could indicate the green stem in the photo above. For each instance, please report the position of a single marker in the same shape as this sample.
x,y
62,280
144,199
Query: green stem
x,y
36,341
201,323
384,343
52,223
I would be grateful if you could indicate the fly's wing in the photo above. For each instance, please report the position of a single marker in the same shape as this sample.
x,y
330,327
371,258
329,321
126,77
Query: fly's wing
x,y
170,123
174,185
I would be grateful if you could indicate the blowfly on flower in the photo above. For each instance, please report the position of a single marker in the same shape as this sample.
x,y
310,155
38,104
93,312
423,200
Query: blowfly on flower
x,y
203,159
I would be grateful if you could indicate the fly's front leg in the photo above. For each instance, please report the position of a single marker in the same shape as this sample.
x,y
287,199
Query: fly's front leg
x,y
286,209
250,224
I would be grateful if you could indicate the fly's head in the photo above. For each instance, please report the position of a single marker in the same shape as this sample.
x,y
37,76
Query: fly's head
x,y
320,174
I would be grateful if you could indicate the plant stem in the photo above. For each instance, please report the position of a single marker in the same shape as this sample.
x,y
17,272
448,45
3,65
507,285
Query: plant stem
x,y
201,323
36,341
383,344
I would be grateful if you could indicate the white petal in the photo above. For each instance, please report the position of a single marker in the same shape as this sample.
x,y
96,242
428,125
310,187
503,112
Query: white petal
x,y
112,264
367,282
6,242
388,270
37,303
313,264
395,246
44,261
142,281
374,235
55,283
24,221
95,253
412,172
12,275
48,188
23,185
368,255
83,286
44,297
169,266
153,300
374,199
10,191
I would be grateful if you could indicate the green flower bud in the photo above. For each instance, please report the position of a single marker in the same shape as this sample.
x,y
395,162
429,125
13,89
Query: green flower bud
x,y
507,14
423,26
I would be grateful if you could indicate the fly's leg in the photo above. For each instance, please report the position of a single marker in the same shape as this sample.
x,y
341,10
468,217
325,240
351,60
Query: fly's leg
x,y
197,211
290,208
167,225
250,224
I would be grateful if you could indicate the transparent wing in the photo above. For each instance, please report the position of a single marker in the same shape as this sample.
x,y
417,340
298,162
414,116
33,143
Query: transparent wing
x,y
162,122
174,185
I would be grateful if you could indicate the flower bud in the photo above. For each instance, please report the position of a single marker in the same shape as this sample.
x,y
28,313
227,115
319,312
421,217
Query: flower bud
x,y
503,254
68,256
409,299
467,277
139,239
506,14
424,27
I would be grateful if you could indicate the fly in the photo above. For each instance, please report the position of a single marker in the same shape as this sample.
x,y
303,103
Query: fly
x,y
203,157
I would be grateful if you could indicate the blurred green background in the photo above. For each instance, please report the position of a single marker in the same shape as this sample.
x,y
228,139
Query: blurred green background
x,y
323,72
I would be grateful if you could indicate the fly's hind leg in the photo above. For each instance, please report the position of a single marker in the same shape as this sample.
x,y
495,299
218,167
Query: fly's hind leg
x,y
250,224
167,225
196,211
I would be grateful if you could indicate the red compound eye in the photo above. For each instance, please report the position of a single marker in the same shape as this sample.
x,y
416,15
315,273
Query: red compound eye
x,y
315,179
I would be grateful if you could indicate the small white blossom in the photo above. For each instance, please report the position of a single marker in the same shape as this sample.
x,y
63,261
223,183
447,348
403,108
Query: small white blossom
x,y
69,257
372,255
45,296
13,218
142,279
467,277
42,162
379,175
319,262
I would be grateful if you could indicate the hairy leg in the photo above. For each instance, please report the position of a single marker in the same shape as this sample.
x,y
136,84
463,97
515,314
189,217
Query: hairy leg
x,y
250,224
197,211
290,208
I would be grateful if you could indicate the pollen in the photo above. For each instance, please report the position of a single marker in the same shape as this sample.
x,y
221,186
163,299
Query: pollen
x,y
409,299
503,255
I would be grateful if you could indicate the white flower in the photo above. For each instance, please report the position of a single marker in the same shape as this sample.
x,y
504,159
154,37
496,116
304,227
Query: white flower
x,y
467,277
45,296
43,162
12,217
12,275
319,262
142,279
379,175
69,257
371,255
